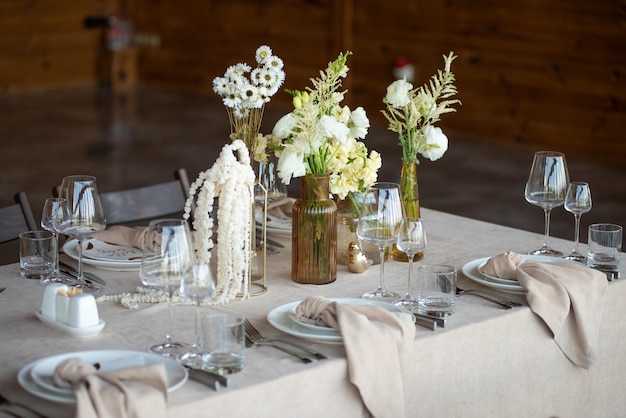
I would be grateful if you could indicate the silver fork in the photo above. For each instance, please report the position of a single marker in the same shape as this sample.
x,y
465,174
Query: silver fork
x,y
254,337
506,303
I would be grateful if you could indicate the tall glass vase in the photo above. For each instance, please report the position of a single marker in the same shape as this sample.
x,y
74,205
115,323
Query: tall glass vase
x,y
314,234
410,203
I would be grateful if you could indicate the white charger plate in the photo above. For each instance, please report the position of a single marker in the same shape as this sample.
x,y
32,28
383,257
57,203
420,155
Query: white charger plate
x,y
36,377
70,248
470,270
280,319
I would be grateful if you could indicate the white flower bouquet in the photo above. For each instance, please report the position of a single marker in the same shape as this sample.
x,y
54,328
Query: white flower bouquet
x,y
245,92
322,137
411,113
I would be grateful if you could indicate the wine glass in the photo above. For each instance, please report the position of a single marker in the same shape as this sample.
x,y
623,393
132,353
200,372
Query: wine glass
x,y
411,240
381,214
546,188
167,259
85,216
577,201
197,286
55,210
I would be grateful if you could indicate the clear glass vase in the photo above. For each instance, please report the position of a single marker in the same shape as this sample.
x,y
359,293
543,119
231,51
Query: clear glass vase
x,y
314,234
409,194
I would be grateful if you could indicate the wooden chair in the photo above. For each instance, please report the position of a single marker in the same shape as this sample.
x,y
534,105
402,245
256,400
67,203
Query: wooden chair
x,y
14,220
132,206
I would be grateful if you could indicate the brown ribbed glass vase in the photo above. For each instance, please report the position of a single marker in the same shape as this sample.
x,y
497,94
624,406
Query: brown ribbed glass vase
x,y
314,234
410,203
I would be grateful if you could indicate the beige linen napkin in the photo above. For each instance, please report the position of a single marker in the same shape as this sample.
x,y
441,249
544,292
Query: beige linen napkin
x,y
377,344
569,297
134,392
130,237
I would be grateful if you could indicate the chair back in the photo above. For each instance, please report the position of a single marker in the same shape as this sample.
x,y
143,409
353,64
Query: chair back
x,y
144,203
14,220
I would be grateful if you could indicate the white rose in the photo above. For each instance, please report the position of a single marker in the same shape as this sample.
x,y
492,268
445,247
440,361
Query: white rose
x,y
398,93
331,128
284,126
438,141
290,164
360,123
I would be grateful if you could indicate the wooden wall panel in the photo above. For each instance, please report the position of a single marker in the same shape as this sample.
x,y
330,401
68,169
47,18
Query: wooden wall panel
x,y
44,44
532,73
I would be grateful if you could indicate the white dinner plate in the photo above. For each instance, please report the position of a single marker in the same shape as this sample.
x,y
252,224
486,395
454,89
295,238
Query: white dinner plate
x,y
273,222
470,270
527,257
36,377
70,248
279,319
103,251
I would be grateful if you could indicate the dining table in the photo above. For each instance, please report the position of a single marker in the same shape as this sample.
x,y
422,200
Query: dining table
x,y
486,361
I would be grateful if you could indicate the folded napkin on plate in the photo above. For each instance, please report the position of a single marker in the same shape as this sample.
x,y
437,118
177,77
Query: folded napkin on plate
x,y
124,235
133,392
569,297
377,344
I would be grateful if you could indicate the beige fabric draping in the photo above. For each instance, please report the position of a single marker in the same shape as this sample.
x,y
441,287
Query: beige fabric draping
x,y
487,361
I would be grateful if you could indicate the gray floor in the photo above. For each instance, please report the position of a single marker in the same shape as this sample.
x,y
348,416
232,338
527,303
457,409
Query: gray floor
x,y
144,137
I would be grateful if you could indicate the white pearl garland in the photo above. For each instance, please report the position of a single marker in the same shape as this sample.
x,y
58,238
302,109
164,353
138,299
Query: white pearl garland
x,y
231,179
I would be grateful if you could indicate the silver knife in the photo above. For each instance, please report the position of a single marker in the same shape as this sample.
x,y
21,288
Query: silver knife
x,y
439,321
72,272
425,322
213,380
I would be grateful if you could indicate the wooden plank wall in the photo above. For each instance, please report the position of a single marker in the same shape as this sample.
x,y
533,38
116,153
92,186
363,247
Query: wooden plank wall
x,y
44,44
531,73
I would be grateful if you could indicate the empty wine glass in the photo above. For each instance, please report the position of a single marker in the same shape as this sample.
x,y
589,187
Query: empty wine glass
x,y
411,240
381,215
197,286
546,188
167,259
54,211
577,201
85,216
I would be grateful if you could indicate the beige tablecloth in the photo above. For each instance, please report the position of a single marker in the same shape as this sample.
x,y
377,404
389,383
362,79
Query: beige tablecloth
x,y
486,362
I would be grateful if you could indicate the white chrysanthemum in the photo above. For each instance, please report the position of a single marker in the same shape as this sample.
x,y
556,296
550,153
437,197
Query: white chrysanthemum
x,y
220,85
437,141
232,99
275,62
398,93
263,53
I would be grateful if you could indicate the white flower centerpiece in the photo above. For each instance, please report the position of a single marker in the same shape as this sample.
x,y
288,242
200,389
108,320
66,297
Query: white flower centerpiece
x,y
412,113
320,138
245,91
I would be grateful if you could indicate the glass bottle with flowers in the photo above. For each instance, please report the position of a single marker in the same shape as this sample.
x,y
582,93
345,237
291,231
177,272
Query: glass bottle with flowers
x,y
412,113
318,139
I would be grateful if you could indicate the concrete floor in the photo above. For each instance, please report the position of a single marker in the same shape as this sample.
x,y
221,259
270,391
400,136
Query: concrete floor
x,y
143,137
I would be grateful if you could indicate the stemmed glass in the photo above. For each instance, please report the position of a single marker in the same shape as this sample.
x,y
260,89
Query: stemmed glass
x,y
577,201
54,211
197,286
546,188
167,259
85,216
411,240
381,215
